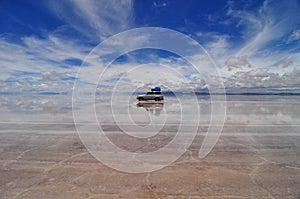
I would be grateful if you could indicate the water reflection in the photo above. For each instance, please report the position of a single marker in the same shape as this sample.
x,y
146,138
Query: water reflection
x,y
58,109
153,108
49,104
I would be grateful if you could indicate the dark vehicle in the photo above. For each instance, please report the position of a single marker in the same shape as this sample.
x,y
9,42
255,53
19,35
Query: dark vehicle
x,y
155,94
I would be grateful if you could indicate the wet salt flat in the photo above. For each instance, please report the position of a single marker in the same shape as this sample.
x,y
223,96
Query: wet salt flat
x,y
256,156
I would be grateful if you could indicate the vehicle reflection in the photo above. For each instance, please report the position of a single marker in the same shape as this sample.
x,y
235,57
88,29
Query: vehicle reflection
x,y
154,108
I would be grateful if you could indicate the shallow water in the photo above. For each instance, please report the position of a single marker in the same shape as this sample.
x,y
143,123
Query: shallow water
x,y
250,110
256,155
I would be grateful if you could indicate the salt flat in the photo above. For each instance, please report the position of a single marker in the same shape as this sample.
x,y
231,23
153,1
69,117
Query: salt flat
x,y
256,156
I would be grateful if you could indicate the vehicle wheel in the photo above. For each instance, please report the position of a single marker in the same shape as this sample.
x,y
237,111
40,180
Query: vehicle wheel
x,y
157,99
140,98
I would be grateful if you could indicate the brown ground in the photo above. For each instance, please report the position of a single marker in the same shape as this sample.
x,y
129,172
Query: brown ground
x,y
57,165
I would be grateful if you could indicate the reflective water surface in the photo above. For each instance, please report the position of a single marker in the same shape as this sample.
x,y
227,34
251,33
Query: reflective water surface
x,y
256,156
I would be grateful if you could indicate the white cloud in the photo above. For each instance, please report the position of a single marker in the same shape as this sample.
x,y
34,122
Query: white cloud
x,y
30,64
283,63
53,76
159,4
257,62
264,78
271,23
248,21
294,36
95,19
219,47
145,76
34,55
46,56
237,62
45,81
54,48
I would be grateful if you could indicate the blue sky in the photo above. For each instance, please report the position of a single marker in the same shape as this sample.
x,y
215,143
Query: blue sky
x,y
254,43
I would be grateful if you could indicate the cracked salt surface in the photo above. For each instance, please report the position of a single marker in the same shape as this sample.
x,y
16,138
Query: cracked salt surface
x,y
257,155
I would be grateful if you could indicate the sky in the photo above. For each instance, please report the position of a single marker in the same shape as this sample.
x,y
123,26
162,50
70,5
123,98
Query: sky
x,y
254,44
